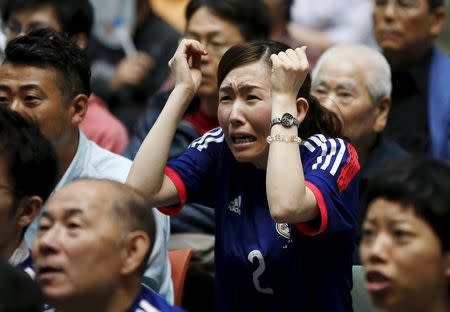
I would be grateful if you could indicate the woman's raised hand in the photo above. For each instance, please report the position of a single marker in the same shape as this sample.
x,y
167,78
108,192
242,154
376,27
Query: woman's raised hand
x,y
185,65
289,70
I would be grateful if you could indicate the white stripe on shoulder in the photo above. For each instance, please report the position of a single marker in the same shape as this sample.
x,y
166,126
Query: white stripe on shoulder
x,y
330,154
209,140
324,148
314,142
340,155
321,137
217,131
316,139
213,133
147,307
309,146
333,150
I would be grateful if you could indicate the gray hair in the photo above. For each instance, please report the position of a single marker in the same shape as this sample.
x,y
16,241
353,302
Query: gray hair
x,y
376,68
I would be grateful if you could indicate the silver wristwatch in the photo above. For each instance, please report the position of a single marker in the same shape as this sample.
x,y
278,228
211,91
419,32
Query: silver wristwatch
x,y
287,121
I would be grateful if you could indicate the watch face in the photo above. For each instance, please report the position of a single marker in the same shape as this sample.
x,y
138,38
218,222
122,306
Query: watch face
x,y
287,120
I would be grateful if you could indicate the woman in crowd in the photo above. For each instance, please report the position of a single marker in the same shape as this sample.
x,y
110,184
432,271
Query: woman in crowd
x,y
285,215
405,247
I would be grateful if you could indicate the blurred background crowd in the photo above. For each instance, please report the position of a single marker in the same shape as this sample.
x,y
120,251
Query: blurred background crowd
x,y
381,66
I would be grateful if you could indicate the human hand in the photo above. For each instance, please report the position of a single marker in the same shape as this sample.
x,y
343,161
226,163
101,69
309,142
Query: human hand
x,y
289,70
131,71
185,65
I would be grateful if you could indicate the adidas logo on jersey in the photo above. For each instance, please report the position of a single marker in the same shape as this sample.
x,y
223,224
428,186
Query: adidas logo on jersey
x,y
235,205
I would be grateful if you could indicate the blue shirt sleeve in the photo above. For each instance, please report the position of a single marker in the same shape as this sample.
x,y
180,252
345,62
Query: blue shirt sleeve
x,y
194,172
330,168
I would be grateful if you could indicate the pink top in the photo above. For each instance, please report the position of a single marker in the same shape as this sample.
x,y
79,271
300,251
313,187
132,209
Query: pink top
x,y
102,127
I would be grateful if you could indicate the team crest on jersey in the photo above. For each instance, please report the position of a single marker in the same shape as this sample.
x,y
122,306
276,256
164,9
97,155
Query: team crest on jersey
x,y
283,230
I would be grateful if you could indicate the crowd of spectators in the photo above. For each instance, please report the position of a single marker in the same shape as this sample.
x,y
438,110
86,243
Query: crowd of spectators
x,y
300,149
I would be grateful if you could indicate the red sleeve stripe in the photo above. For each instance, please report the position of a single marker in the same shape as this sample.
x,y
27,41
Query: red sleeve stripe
x,y
181,189
349,170
305,227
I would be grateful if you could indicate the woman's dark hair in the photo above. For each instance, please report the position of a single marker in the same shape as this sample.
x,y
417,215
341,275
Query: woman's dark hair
x,y
318,119
252,17
419,183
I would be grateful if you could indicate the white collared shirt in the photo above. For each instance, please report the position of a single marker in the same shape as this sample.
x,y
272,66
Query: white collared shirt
x,y
92,161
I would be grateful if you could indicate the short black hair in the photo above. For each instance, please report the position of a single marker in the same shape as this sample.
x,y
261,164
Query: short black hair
x,y
45,48
74,16
31,161
252,17
422,183
432,4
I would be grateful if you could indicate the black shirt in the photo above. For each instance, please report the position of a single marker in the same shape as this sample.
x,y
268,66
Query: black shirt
x,y
408,118
383,153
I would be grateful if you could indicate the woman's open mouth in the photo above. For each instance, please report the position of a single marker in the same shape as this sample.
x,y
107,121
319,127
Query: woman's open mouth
x,y
242,139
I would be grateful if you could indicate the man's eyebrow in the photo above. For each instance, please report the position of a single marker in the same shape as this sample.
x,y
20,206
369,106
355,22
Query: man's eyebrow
x,y
346,85
5,88
72,211
249,87
208,34
69,212
31,86
318,82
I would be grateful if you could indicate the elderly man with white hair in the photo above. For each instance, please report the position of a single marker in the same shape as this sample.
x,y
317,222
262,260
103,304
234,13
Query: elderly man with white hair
x,y
354,81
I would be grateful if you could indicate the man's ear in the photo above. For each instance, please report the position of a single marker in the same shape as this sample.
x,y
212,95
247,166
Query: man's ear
x,y
447,264
79,108
381,114
137,245
28,209
302,109
81,40
439,15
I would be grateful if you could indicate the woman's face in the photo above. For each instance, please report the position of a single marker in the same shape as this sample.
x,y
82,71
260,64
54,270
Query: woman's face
x,y
406,269
245,110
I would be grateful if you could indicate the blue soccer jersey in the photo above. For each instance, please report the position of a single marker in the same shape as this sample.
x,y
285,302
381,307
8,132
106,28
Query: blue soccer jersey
x,y
149,301
262,265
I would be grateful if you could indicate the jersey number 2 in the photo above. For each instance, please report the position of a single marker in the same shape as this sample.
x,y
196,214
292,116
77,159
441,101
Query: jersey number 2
x,y
259,271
